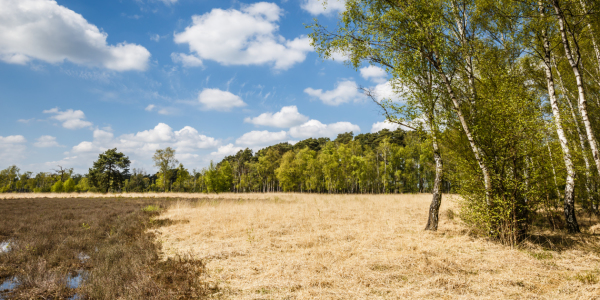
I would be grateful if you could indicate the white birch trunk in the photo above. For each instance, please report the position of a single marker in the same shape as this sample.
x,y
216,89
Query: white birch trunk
x,y
476,150
569,200
582,97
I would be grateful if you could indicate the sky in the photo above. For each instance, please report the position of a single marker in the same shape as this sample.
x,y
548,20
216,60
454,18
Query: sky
x,y
204,77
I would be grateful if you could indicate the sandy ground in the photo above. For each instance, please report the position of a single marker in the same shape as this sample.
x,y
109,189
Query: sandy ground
x,y
300,246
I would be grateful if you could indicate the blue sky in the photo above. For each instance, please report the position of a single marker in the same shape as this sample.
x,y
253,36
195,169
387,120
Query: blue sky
x,y
204,77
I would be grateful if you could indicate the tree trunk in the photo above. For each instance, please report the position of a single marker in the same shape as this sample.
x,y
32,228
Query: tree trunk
x,y
436,201
476,150
569,201
588,184
575,66
593,38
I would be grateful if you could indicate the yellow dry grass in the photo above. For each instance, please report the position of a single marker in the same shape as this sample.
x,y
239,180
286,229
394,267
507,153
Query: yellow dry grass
x,y
301,246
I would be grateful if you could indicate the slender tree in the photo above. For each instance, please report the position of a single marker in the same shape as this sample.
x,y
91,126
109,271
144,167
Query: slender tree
x,y
165,160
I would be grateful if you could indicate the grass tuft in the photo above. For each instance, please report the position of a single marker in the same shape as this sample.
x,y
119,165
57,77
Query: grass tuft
x,y
151,208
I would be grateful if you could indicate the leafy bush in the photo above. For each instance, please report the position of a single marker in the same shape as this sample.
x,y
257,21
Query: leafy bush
x,y
69,186
58,187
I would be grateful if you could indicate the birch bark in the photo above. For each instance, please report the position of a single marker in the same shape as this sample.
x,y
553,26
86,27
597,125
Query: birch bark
x,y
574,62
569,199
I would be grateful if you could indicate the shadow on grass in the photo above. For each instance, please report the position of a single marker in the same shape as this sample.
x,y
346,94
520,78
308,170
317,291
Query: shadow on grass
x,y
91,248
548,233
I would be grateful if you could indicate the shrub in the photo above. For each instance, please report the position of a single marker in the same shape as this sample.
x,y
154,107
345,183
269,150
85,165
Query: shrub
x,y
69,186
58,187
151,208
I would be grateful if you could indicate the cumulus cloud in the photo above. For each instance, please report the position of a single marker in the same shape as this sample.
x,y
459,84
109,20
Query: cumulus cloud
x,y
46,141
150,107
12,148
226,150
314,129
254,138
374,73
103,135
12,140
317,7
185,60
70,119
143,143
344,92
339,56
384,125
243,37
287,117
215,99
385,91
44,30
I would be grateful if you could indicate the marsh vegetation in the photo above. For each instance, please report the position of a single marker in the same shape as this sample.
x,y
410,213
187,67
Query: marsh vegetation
x,y
94,248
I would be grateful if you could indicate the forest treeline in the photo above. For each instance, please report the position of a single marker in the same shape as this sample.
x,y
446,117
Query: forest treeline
x,y
383,162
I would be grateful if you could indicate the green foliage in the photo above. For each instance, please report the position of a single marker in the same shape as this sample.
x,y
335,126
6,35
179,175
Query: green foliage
x,y
151,208
69,186
58,187
83,185
164,159
109,171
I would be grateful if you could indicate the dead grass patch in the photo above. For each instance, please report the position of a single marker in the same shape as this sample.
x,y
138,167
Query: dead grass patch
x,y
304,246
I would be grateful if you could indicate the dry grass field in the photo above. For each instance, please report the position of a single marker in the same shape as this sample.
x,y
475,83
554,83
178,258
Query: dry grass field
x,y
301,246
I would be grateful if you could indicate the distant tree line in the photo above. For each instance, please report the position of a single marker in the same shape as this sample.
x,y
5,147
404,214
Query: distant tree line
x,y
383,162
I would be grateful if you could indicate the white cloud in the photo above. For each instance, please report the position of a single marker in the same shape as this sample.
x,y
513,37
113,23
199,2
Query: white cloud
x,y
316,7
374,73
226,150
25,121
155,37
168,2
71,119
188,139
243,37
314,128
385,91
44,30
103,135
339,56
87,147
384,125
344,92
12,140
12,149
149,107
254,138
145,142
215,99
185,60
46,141
287,117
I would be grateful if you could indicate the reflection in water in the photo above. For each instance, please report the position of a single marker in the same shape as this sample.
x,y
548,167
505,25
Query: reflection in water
x,y
8,285
74,282
4,247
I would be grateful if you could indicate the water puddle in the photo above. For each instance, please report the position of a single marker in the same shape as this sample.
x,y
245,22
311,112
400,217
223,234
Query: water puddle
x,y
74,282
5,247
8,285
